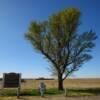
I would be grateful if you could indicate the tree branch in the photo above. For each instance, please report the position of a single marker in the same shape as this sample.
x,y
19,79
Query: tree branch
x,y
69,72
55,65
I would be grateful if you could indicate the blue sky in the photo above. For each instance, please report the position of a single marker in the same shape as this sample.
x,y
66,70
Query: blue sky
x,y
17,54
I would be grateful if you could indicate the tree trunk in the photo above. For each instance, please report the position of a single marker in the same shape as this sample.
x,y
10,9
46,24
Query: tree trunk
x,y
60,82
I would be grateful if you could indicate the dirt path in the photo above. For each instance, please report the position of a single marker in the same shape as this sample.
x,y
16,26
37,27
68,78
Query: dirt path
x,y
53,98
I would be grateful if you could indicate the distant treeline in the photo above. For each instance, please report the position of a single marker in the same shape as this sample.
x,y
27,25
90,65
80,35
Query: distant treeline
x,y
42,78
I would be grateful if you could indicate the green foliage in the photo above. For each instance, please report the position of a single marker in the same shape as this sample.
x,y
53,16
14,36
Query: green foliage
x,y
59,41
53,91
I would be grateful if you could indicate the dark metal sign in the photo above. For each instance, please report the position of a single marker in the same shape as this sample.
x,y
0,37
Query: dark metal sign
x,y
11,80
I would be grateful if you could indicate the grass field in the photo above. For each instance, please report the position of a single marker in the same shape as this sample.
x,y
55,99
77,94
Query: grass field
x,y
76,88
68,83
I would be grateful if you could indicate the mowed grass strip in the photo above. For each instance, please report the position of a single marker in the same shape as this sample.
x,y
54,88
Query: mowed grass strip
x,y
52,92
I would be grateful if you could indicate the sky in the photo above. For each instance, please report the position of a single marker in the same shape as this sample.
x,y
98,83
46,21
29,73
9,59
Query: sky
x,y
17,54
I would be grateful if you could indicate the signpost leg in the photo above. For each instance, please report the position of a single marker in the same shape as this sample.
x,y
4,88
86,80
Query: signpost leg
x,y
18,92
66,92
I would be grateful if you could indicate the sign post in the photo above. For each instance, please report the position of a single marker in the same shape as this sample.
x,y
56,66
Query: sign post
x,y
66,91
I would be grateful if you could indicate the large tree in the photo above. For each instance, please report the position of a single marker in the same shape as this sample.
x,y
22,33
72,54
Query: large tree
x,y
59,41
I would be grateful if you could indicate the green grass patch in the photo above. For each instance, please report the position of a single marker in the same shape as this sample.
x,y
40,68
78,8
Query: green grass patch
x,y
52,91
83,92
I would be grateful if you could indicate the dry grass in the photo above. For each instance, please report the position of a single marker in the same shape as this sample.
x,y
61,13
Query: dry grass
x,y
68,83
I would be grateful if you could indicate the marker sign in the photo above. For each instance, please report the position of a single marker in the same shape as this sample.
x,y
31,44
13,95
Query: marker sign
x,y
11,80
